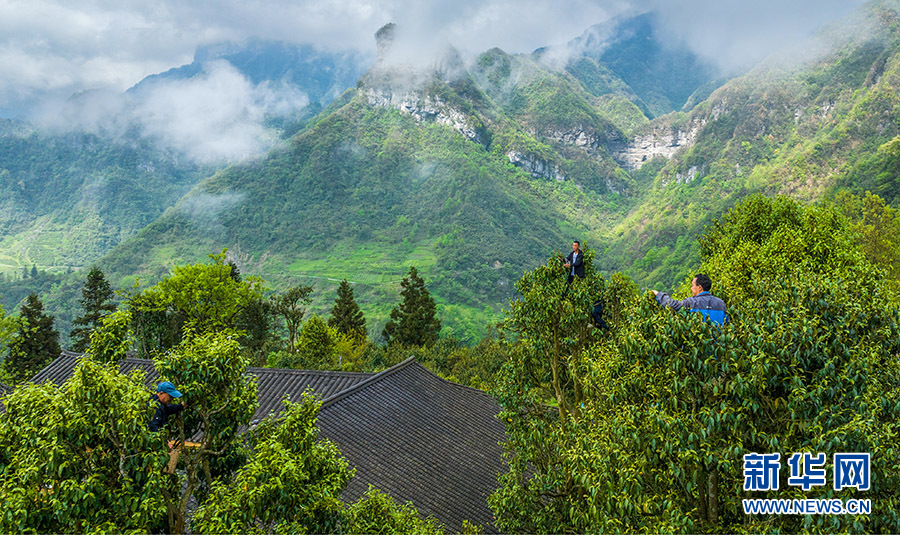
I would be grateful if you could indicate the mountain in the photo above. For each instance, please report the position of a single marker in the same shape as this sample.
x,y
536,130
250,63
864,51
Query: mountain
x,y
450,168
66,199
662,74
321,75
70,194
806,123
476,169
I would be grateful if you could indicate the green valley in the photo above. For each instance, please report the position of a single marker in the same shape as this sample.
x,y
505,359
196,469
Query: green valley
x,y
474,170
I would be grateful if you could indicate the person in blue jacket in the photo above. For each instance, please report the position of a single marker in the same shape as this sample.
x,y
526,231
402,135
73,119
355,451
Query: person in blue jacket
x,y
712,308
165,393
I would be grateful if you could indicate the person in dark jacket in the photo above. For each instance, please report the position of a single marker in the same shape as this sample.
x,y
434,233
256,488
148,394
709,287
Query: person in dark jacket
x,y
712,308
574,265
165,393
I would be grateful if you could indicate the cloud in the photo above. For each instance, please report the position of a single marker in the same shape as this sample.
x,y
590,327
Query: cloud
x,y
736,34
204,209
56,47
215,117
53,46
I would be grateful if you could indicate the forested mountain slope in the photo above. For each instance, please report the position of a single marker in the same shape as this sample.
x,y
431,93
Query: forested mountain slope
x,y
65,200
75,187
473,170
806,123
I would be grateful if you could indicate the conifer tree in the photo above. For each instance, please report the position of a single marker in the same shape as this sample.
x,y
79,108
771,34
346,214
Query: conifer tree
x,y
235,271
346,317
96,302
36,342
414,322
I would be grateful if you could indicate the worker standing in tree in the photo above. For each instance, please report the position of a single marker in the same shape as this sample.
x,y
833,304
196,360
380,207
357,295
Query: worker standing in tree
x,y
574,265
712,308
165,393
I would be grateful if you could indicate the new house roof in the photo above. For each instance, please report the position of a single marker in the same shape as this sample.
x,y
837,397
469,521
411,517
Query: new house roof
x,y
406,431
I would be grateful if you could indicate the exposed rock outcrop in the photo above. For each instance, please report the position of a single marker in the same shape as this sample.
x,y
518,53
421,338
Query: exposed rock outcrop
x,y
395,82
426,108
537,167
662,141
585,138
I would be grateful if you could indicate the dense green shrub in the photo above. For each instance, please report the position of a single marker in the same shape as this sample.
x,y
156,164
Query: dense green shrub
x,y
670,404
290,484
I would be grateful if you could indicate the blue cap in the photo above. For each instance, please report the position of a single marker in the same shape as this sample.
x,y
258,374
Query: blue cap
x,y
168,388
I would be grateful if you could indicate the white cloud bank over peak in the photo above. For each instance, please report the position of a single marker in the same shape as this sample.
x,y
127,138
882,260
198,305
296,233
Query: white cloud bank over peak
x,y
48,45
58,48
215,117
218,116
736,34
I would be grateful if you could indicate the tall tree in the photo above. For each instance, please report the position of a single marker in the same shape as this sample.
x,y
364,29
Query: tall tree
x,y
36,342
414,322
197,297
670,403
210,371
291,305
315,345
97,467
96,296
346,316
294,480
257,321
8,326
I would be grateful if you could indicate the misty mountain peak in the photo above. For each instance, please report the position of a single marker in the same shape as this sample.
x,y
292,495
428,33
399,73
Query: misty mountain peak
x,y
384,38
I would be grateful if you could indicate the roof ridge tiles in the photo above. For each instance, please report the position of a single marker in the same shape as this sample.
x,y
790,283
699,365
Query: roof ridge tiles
x,y
363,384
454,384
297,371
250,369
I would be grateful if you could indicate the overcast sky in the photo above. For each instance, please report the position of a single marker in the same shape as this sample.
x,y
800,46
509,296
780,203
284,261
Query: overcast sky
x,y
65,45
52,49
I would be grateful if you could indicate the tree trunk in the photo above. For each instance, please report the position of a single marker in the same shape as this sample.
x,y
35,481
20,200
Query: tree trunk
x,y
557,387
714,496
702,496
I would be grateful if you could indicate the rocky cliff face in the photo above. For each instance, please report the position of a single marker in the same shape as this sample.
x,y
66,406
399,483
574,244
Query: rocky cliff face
x,y
425,108
537,167
662,141
588,139
396,83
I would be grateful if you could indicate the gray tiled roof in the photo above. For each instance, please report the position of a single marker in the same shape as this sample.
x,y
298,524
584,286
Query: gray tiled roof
x,y
422,439
273,383
59,370
415,436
